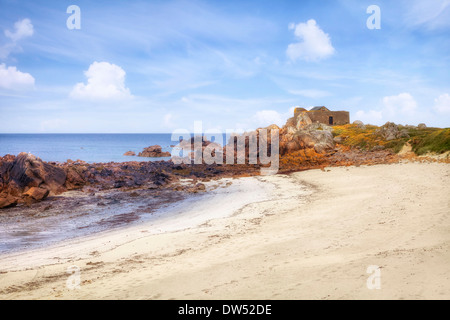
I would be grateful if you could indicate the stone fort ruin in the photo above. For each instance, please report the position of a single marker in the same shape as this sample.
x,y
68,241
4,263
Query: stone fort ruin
x,y
325,116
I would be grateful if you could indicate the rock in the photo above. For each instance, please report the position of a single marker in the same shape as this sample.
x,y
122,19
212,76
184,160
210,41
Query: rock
x,y
323,140
421,126
389,131
130,153
74,178
300,133
338,139
200,186
302,120
359,124
7,201
403,134
37,194
270,128
319,126
27,170
153,152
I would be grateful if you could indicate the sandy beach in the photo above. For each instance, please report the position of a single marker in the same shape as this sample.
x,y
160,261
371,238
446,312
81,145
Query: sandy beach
x,y
307,235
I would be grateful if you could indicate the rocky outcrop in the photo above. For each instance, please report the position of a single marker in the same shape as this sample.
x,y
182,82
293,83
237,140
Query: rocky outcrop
x,y
301,133
130,153
28,176
26,171
390,131
153,152
421,126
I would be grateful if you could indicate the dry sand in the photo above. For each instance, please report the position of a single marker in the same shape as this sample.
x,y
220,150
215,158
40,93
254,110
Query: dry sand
x,y
309,235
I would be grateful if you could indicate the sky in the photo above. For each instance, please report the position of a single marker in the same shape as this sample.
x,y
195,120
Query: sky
x,y
158,66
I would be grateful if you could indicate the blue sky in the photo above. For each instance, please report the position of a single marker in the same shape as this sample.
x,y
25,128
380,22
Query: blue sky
x,y
156,66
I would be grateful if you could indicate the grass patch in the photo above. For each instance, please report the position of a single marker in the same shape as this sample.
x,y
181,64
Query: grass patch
x,y
434,140
422,140
396,145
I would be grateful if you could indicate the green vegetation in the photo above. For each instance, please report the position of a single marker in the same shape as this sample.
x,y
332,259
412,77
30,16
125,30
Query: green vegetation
x,y
422,140
436,140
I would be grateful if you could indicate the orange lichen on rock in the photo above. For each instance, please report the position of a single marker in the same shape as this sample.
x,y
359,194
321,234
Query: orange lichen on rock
x,y
302,159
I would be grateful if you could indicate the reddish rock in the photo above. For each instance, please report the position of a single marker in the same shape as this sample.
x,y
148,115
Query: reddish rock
x,y
74,177
130,153
27,170
7,201
153,152
37,193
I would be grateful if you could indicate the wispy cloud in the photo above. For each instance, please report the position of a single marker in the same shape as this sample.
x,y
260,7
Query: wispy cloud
x,y
22,29
431,14
310,93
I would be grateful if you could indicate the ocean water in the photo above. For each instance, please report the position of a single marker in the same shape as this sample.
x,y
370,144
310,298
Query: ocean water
x,y
88,147
99,147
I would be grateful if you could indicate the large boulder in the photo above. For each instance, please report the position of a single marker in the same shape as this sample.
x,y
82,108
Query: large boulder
x,y
28,178
323,140
421,126
359,124
27,171
302,120
301,133
389,131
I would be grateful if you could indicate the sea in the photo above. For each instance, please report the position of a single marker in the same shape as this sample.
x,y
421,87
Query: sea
x,y
92,148
87,147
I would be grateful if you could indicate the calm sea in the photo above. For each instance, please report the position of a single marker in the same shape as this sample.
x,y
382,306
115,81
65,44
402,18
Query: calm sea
x,y
87,147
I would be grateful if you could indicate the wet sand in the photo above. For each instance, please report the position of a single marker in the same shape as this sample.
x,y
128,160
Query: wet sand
x,y
307,235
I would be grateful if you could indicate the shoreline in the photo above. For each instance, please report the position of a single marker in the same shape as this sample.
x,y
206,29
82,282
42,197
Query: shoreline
x,y
299,244
173,217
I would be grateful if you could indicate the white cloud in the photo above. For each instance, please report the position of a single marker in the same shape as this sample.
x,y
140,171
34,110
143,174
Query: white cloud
x,y
403,104
371,116
442,104
23,28
401,108
265,118
105,81
11,78
310,93
314,43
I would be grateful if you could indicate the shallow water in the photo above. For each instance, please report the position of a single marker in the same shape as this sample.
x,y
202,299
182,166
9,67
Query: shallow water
x,y
76,214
